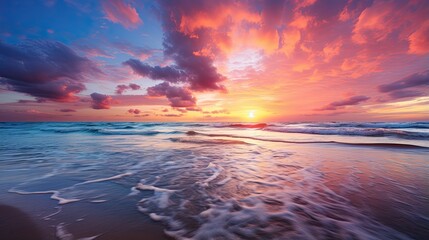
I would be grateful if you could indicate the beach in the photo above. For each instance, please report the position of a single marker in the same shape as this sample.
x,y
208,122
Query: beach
x,y
129,180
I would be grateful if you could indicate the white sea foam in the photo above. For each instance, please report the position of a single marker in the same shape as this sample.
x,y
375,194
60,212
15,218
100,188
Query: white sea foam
x,y
106,179
216,172
98,201
54,195
63,234
161,195
48,217
142,186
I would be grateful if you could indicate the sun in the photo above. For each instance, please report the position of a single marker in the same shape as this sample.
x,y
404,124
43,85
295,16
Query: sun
x,y
251,114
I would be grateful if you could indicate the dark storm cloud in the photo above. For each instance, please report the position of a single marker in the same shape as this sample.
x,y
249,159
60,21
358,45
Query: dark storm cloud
x,y
44,69
355,100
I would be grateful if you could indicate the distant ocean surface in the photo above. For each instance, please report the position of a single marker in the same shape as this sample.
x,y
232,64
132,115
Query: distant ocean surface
x,y
128,180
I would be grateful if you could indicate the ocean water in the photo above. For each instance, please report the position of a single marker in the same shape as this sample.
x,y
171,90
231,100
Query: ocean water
x,y
219,180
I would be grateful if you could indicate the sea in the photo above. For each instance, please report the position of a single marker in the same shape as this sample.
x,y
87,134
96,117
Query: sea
x,y
155,180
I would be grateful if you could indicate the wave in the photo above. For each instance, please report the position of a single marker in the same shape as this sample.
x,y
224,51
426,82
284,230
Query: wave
x,y
207,141
120,131
372,129
404,130
241,125
351,131
374,124
392,145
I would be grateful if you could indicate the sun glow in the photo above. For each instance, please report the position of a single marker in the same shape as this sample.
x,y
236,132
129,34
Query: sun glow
x,y
251,114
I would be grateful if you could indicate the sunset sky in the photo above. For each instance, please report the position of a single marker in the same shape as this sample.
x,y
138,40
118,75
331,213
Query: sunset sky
x,y
118,60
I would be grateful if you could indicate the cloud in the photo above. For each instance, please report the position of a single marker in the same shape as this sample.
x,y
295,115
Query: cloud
x,y
178,96
120,12
355,100
122,88
134,86
414,80
221,111
130,49
324,11
392,22
406,93
94,51
181,110
194,109
60,91
39,100
131,100
66,110
142,115
101,101
44,69
419,40
192,51
134,111
170,74
375,23
200,73
172,115
332,49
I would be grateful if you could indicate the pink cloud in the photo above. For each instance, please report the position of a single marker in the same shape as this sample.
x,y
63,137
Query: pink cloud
x,y
419,40
374,23
120,12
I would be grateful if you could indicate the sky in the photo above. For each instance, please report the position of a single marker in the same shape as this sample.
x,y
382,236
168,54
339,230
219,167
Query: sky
x,y
188,60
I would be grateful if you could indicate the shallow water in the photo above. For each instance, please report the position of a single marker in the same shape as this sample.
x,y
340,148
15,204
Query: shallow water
x,y
219,180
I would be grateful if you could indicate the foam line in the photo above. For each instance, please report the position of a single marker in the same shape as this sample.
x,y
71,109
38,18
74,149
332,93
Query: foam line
x,y
55,195
392,145
106,179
